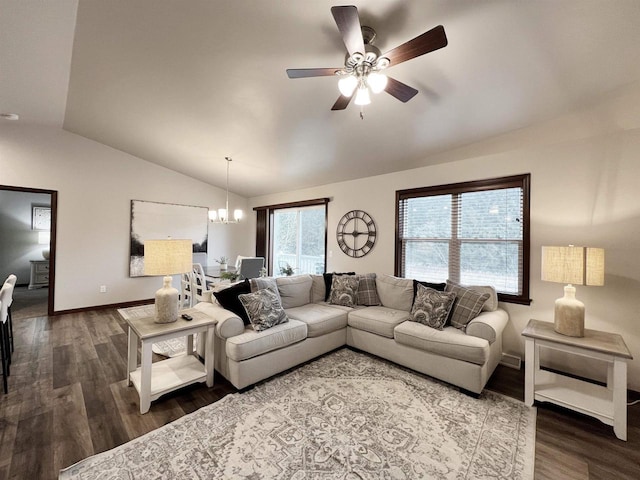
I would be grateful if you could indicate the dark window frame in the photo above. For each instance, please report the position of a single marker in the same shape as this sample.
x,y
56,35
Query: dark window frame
x,y
264,227
515,181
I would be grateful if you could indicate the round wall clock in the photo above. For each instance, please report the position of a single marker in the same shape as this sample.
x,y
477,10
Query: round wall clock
x,y
356,233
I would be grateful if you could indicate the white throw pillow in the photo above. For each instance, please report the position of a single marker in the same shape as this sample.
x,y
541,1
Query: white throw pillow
x,y
394,292
294,291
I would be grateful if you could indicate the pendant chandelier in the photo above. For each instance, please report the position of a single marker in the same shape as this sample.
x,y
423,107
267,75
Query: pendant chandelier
x,y
222,214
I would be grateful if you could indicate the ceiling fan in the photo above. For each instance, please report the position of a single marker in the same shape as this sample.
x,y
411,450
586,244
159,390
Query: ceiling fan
x,y
364,63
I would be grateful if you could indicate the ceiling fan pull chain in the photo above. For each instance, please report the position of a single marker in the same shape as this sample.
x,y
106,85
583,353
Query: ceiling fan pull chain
x,y
362,113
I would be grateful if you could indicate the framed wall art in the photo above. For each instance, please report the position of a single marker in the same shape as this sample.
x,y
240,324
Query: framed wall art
x,y
154,221
41,218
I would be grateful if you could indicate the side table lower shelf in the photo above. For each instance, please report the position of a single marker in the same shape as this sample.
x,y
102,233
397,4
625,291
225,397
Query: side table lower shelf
x,y
171,374
587,398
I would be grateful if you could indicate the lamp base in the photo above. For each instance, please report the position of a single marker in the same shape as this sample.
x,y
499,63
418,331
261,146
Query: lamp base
x,y
569,314
166,303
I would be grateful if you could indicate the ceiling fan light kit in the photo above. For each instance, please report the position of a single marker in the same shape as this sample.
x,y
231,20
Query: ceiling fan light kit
x,y
362,69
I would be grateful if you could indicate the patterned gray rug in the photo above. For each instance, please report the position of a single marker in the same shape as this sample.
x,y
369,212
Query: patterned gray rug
x,y
344,416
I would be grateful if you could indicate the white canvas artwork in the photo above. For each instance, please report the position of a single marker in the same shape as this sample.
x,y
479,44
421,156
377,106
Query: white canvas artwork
x,y
156,221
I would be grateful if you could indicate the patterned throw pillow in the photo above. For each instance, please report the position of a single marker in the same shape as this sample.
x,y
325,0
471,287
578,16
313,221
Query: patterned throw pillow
x,y
263,309
328,280
344,290
467,304
367,291
431,307
436,286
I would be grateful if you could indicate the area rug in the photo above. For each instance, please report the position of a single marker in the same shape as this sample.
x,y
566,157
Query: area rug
x,y
344,416
167,348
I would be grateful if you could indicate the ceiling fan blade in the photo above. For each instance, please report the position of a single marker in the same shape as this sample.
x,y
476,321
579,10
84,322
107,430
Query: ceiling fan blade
x,y
311,72
401,91
425,43
341,103
348,23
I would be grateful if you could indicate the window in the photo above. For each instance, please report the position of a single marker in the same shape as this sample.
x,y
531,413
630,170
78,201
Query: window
x,y
293,235
474,233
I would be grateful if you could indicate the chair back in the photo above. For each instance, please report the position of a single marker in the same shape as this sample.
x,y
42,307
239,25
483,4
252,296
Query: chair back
x,y
5,295
250,267
186,290
11,280
199,284
238,260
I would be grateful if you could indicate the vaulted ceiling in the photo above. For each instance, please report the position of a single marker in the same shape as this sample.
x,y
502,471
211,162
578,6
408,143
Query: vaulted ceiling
x,y
185,83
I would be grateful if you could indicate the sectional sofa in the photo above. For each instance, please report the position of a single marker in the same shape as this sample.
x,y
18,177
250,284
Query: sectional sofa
x,y
378,323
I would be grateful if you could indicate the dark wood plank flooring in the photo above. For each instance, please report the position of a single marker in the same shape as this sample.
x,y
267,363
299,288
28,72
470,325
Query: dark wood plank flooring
x,y
68,399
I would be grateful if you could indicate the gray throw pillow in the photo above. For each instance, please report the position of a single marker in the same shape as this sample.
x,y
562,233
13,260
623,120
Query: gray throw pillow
x,y
265,282
263,309
367,291
467,304
431,307
344,290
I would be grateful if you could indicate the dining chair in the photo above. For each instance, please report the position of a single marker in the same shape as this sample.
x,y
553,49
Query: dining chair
x,y
186,290
250,267
199,284
5,349
11,279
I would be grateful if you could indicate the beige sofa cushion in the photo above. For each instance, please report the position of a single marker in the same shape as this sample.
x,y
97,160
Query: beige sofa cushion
x,y
450,342
251,343
294,291
320,318
395,292
378,320
318,289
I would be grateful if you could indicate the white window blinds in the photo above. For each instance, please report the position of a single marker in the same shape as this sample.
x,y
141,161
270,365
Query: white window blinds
x,y
474,233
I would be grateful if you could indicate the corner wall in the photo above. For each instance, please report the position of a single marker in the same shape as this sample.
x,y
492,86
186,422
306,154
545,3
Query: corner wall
x,y
95,185
585,181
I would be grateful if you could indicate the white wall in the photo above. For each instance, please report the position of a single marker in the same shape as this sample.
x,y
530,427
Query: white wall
x,y
18,242
585,181
95,185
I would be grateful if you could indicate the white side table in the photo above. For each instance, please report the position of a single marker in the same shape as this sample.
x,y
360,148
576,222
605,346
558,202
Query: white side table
x,y
153,380
606,403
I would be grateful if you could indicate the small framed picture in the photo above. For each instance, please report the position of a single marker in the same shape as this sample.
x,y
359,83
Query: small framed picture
x,y
41,218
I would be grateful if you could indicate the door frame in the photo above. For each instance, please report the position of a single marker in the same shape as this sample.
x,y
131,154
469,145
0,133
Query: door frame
x,y
54,222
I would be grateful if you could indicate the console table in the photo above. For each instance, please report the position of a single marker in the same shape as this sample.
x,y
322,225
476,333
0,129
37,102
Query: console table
x,y
153,380
606,403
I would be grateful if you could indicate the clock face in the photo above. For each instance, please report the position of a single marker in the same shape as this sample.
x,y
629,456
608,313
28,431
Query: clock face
x,y
356,233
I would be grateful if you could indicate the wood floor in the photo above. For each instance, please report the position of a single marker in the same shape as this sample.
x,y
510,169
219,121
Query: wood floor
x,y
68,400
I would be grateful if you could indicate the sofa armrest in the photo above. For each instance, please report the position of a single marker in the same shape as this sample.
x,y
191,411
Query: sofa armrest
x,y
488,325
229,324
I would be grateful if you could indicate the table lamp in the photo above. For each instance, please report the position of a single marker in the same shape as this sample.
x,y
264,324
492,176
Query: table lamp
x,y
167,257
574,266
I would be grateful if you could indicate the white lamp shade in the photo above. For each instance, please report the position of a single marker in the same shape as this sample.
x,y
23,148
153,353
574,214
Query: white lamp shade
x,y
167,257
237,215
573,265
222,214
213,215
347,85
362,97
377,82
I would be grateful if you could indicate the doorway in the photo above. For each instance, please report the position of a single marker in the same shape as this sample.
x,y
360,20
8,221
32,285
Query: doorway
x,y
28,247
